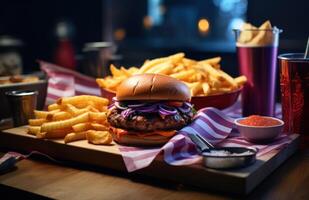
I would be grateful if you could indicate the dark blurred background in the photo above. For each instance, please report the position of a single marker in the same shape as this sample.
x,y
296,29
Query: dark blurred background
x,y
147,28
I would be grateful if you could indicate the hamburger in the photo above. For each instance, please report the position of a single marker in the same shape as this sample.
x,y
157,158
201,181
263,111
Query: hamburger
x,y
149,109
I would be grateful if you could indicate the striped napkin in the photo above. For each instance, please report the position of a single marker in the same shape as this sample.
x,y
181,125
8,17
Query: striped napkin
x,y
214,125
210,123
63,82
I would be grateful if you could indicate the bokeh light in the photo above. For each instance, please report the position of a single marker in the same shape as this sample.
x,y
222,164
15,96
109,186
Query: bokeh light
x,y
203,26
119,34
148,22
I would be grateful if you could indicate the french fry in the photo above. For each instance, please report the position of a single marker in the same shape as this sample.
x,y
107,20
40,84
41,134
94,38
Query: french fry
x,y
211,61
99,137
157,61
240,80
115,72
176,57
221,90
195,88
41,135
188,62
71,137
34,130
146,61
178,68
206,88
93,109
214,82
49,117
36,122
183,75
81,127
228,79
126,72
65,123
132,70
82,100
43,114
162,68
93,116
54,134
112,83
75,111
54,107
197,77
101,82
71,109
246,34
99,127
264,36
62,115
217,66
210,70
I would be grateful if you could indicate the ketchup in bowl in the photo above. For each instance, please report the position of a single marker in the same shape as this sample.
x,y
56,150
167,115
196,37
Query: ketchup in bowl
x,y
259,129
257,120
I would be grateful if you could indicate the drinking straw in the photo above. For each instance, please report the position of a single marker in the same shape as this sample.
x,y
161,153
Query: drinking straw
x,y
307,50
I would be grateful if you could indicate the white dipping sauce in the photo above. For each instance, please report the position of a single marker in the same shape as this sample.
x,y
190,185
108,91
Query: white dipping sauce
x,y
226,153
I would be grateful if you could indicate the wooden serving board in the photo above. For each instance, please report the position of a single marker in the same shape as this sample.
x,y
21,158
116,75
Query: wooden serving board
x,y
238,181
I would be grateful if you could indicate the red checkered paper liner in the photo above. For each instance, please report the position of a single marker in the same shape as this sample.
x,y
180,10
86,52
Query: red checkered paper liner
x,y
214,125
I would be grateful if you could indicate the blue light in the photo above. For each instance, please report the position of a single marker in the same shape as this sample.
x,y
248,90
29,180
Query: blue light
x,y
154,11
234,7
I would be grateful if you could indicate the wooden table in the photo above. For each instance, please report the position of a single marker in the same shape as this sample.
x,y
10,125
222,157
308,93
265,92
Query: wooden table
x,y
40,178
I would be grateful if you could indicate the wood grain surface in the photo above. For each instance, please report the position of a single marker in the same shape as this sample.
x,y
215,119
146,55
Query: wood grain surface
x,y
233,181
40,177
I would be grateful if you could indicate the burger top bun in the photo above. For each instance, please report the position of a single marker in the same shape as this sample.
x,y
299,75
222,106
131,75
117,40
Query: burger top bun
x,y
152,87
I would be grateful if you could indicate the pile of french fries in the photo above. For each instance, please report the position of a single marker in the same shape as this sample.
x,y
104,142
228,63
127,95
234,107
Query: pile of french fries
x,y
256,36
203,77
73,118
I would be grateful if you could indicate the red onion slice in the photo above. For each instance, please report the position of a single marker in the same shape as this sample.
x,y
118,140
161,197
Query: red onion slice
x,y
185,108
160,108
117,104
127,112
164,113
136,105
188,104
147,109
111,106
166,110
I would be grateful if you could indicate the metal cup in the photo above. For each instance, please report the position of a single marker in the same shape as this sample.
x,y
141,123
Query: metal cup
x,y
98,56
294,82
258,63
22,104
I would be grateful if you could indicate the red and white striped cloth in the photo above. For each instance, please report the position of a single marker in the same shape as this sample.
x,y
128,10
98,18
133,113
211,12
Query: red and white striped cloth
x,y
210,123
214,125
64,82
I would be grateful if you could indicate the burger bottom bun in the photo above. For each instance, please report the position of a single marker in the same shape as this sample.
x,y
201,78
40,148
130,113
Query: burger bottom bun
x,y
134,140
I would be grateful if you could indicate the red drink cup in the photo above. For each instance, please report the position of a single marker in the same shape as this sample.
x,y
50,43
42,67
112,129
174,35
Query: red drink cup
x,y
294,82
257,61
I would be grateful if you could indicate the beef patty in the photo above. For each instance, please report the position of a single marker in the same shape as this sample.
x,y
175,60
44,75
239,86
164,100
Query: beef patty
x,y
148,122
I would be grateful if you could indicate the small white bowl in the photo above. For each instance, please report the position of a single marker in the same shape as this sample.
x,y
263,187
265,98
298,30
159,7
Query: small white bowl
x,y
259,134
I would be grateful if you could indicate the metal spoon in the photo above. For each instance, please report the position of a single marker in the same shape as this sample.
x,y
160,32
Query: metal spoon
x,y
213,158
